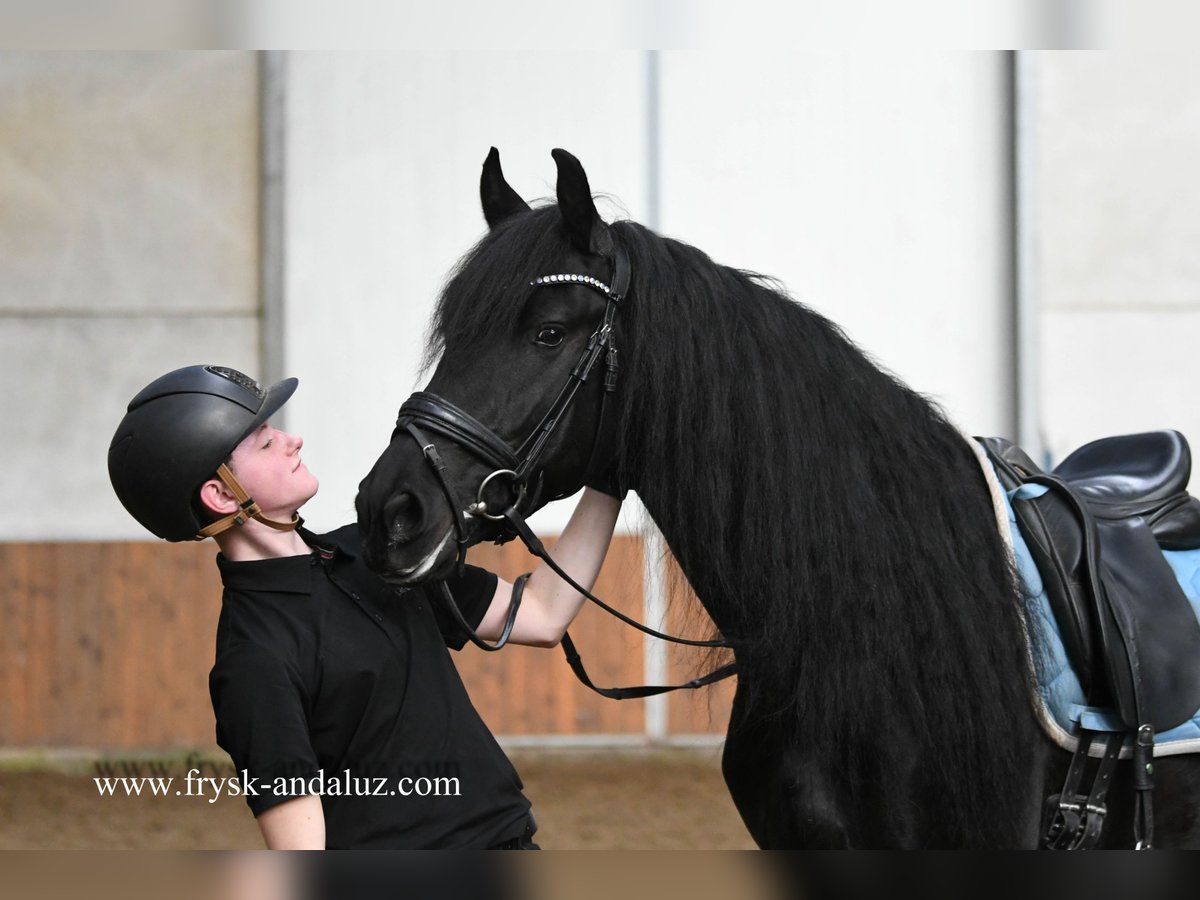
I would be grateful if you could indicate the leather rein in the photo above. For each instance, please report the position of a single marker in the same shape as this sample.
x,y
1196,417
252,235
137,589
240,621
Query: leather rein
x,y
426,412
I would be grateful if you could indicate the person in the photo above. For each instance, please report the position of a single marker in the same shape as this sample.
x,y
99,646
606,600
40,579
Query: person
x,y
334,693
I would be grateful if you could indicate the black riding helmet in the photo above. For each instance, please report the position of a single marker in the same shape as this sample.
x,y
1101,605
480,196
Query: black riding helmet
x,y
177,434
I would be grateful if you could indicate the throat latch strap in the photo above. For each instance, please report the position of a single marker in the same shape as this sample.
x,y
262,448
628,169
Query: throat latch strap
x,y
248,509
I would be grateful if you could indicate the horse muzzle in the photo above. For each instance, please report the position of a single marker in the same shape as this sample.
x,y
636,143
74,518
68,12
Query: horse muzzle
x,y
433,565
408,533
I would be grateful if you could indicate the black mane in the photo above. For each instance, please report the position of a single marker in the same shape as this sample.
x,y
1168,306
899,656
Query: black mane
x,y
832,521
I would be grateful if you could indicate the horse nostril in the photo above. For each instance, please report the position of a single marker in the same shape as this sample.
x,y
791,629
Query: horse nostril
x,y
402,512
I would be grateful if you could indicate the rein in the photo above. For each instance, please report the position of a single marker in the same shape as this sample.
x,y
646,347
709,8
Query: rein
x,y
426,412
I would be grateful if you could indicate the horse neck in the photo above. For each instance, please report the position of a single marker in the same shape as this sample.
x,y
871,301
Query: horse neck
x,y
839,532
790,476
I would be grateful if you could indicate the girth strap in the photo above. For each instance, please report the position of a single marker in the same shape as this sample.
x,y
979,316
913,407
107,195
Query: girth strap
x,y
1075,820
1143,786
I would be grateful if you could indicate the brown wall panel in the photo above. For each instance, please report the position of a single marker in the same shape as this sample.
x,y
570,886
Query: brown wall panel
x,y
529,690
108,645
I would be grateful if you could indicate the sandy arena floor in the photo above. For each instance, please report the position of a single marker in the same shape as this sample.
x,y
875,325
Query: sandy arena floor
x,y
665,799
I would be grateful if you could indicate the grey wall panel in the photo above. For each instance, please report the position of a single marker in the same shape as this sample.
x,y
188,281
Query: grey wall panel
x,y
71,380
1119,137
129,246
1120,180
1117,372
875,185
129,181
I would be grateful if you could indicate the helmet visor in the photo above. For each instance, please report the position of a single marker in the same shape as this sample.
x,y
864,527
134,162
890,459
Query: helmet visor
x,y
276,395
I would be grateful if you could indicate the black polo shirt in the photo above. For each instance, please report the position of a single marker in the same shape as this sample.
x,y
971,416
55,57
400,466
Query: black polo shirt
x,y
329,681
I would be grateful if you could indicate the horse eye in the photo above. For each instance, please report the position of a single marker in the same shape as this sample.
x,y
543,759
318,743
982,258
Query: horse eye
x,y
550,335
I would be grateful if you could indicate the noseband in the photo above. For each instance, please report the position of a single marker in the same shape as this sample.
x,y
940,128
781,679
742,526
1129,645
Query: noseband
x,y
427,412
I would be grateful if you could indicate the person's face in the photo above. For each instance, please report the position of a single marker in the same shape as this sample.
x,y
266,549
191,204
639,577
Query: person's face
x,y
267,464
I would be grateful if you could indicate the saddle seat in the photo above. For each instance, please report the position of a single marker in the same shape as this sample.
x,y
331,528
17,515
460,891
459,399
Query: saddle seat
x,y
1096,527
1130,468
1139,475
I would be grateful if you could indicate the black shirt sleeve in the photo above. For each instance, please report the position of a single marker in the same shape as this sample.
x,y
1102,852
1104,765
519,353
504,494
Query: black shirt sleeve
x,y
262,724
472,592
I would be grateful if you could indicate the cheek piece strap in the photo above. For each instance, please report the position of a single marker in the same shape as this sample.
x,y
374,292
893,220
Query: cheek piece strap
x,y
247,510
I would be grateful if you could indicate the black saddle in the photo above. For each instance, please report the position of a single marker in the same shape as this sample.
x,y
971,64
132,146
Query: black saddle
x,y
1130,633
1129,630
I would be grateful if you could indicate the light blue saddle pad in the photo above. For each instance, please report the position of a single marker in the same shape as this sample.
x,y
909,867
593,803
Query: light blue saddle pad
x,y
1060,689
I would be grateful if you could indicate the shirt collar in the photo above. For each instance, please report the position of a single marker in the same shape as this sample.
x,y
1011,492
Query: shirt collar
x,y
344,541
288,574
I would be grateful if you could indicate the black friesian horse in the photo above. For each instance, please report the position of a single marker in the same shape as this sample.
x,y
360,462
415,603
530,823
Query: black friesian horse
x,y
833,523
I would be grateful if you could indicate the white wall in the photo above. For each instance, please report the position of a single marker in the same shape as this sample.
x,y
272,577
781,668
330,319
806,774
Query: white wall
x,y
872,184
128,247
1119,232
383,158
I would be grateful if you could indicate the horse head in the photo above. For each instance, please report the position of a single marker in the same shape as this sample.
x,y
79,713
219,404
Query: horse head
x,y
513,415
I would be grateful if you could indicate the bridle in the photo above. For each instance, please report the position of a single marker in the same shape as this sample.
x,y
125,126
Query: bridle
x,y
427,412
442,417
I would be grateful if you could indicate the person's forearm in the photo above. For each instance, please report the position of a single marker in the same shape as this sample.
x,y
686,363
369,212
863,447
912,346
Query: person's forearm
x,y
579,552
298,824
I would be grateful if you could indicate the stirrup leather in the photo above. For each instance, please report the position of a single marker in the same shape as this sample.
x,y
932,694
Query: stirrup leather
x,y
1073,818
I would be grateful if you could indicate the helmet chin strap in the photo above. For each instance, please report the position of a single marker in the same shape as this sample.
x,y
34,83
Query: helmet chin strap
x,y
247,510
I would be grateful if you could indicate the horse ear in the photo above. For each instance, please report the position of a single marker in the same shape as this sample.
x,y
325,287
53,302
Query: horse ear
x,y
585,228
499,199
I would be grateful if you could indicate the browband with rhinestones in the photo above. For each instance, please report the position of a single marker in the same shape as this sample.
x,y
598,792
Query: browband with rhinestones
x,y
579,279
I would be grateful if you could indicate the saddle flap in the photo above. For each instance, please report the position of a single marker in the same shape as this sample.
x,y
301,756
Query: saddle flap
x,y
1128,629
1057,542
1054,536
1149,631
